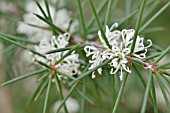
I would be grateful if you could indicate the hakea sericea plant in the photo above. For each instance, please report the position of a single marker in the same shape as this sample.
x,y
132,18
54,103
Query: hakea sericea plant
x,y
66,60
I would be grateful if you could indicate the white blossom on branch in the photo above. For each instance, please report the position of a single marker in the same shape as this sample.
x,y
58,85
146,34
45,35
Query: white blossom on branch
x,y
121,42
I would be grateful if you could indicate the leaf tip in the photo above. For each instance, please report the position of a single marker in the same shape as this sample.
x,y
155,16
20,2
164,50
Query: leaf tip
x,y
35,14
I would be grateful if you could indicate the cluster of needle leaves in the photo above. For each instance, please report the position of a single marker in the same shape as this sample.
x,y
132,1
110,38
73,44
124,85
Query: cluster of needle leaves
x,y
105,11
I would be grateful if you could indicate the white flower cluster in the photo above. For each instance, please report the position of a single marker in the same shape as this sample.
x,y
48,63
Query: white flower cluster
x,y
121,42
69,65
61,18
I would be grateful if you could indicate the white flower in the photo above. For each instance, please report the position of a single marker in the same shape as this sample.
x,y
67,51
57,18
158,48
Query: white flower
x,y
62,40
120,61
26,57
121,42
34,33
119,65
98,57
69,65
61,18
140,50
46,46
71,104
127,36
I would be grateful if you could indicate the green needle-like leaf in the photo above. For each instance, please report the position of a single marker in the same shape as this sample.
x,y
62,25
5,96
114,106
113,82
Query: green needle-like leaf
x,y
84,3
50,23
153,56
49,14
142,80
18,39
163,91
83,100
43,64
123,20
154,29
130,15
48,9
135,60
158,48
120,93
112,83
99,24
59,50
99,11
58,85
82,20
138,25
99,87
84,96
108,11
154,96
21,46
62,49
165,78
41,9
84,92
90,71
68,76
154,17
146,93
37,26
69,93
140,76
24,76
81,93
47,95
163,65
164,83
150,10
35,92
162,55
165,72
43,77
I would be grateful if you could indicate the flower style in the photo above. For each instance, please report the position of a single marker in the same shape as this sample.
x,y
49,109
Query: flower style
x,y
140,50
69,65
96,58
111,35
121,42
